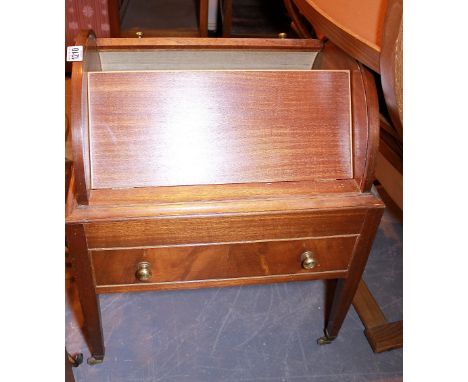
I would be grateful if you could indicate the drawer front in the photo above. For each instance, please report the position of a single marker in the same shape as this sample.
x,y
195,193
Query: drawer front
x,y
223,261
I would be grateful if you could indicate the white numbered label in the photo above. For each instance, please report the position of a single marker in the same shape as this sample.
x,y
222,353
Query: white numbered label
x,y
75,53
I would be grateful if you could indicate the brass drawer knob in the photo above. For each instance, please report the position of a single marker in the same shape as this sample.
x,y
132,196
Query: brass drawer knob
x,y
307,260
139,34
143,272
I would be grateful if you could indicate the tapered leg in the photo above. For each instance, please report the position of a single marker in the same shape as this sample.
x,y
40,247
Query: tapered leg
x,y
82,271
330,288
346,288
68,369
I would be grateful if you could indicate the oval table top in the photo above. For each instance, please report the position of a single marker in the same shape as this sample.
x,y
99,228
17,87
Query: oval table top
x,y
354,25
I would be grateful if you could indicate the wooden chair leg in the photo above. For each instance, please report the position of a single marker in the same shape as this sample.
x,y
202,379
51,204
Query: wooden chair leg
x,y
114,17
381,334
346,288
227,17
390,178
81,265
295,16
203,18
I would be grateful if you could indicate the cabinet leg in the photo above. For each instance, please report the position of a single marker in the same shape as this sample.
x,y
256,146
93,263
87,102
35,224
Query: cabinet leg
x,y
346,288
95,360
326,339
82,270
75,360
68,369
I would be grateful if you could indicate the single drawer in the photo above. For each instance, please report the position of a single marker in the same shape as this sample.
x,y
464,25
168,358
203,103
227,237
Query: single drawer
x,y
222,261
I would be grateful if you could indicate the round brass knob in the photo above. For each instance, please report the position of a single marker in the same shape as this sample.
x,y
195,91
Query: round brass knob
x,y
307,260
143,272
282,35
139,34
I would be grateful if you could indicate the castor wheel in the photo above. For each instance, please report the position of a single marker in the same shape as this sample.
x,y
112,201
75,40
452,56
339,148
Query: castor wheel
x,y
324,340
76,360
95,360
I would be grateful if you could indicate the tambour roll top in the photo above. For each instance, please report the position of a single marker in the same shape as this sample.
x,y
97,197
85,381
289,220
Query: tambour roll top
x,y
198,112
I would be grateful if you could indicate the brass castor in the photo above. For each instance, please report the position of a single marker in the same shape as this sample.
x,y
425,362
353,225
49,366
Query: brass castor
x,y
95,360
76,360
326,339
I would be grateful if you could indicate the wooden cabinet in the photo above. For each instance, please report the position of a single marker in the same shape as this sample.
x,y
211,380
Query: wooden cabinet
x,y
219,162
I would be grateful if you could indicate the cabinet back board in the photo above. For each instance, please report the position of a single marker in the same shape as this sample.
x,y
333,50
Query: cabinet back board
x,y
205,59
173,128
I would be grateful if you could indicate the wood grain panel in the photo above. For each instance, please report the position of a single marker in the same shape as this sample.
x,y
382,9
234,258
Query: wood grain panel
x,y
231,261
222,192
142,211
184,128
332,58
223,228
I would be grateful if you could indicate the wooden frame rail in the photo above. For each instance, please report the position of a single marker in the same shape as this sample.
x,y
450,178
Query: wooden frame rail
x,y
79,112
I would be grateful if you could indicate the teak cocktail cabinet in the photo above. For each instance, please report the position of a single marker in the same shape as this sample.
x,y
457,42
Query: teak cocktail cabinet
x,y
219,162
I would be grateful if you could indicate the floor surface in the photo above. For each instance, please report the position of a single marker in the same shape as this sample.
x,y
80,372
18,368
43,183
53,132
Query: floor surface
x,y
250,333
